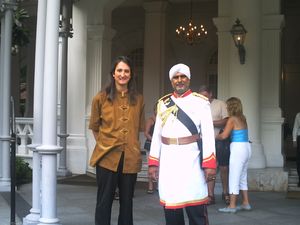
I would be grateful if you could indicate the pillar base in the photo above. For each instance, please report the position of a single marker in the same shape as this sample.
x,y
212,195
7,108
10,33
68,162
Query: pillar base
x,y
52,221
32,218
268,179
49,158
258,158
49,149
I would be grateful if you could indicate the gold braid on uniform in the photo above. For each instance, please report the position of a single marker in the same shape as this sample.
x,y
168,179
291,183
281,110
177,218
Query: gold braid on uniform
x,y
165,114
199,95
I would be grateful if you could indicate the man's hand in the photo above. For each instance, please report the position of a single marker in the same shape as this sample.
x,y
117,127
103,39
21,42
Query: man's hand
x,y
153,173
210,174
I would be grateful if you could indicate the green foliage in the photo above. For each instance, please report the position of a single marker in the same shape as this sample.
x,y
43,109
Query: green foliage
x,y
20,34
23,172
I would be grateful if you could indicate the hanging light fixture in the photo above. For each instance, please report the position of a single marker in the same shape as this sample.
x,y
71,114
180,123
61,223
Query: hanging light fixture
x,y
191,34
238,33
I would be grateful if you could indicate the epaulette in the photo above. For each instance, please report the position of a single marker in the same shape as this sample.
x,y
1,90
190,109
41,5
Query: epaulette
x,y
165,98
199,95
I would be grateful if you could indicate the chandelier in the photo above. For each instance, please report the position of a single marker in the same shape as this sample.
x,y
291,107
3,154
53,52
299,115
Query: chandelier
x,y
191,34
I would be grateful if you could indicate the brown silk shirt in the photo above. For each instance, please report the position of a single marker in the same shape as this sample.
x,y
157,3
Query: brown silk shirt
x,y
118,125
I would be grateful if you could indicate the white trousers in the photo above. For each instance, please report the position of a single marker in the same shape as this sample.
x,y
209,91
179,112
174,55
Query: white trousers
x,y
240,153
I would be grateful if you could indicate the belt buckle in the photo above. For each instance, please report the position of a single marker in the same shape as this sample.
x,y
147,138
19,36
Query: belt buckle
x,y
173,141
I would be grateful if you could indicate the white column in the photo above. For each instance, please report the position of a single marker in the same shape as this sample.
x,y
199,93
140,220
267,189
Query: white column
x,y
154,54
34,216
1,86
223,25
49,148
98,63
99,57
5,107
272,120
243,81
77,100
64,34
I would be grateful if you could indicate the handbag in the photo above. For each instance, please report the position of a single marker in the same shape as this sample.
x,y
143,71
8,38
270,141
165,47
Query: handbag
x,y
147,145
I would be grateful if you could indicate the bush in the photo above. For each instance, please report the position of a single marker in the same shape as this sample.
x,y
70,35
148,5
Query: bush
x,y
23,172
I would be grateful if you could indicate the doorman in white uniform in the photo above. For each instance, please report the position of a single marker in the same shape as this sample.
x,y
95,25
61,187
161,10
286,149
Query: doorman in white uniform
x,y
182,155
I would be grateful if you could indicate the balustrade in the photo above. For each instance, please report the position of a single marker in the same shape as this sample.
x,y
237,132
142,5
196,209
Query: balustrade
x,y
24,132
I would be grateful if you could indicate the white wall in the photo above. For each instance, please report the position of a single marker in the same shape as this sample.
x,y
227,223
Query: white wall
x,y
76,111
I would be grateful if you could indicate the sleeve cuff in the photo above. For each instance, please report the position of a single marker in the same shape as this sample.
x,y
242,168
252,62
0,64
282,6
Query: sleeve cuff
x,y
210,162
152,161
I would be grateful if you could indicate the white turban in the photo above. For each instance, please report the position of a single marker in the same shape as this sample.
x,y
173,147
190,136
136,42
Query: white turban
x,y
180,68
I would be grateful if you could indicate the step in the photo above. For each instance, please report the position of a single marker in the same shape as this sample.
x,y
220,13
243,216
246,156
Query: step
x,y
293,172
293,188
293,180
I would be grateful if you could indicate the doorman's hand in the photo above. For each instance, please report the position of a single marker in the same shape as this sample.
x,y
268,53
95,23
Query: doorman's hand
x,y
210,174
153,173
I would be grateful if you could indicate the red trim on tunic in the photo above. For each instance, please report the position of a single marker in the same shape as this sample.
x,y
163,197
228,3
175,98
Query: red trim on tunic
x,y
210,162
152,161
183,204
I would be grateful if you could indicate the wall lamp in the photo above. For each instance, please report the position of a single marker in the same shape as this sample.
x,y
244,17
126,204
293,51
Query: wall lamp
x,y
238,33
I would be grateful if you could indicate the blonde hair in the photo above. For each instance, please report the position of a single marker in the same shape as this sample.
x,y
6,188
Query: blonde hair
x,y
235,108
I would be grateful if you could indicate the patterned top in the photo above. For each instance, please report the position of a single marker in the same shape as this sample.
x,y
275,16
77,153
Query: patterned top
x,y
118,125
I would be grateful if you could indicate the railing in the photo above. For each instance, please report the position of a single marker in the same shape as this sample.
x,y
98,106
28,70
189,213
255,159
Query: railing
x,y
24,132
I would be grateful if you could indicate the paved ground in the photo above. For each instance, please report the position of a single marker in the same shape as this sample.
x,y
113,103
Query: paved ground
x,y
76,207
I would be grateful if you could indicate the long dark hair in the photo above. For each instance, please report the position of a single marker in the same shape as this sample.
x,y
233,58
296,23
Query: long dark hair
x,y
111,87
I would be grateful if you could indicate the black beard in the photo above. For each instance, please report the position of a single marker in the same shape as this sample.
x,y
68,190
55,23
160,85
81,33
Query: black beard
x,y
181,91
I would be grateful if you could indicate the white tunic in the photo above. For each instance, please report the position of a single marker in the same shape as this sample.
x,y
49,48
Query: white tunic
x,y
181,180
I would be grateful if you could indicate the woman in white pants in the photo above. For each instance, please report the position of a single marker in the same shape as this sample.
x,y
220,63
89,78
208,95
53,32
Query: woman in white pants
x,y
240,152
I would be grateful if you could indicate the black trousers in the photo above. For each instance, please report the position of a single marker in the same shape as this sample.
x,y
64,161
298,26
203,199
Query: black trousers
x,y
107,181
197,215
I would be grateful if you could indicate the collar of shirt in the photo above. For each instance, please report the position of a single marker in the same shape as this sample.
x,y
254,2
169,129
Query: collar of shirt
x,y
123,93
188,92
